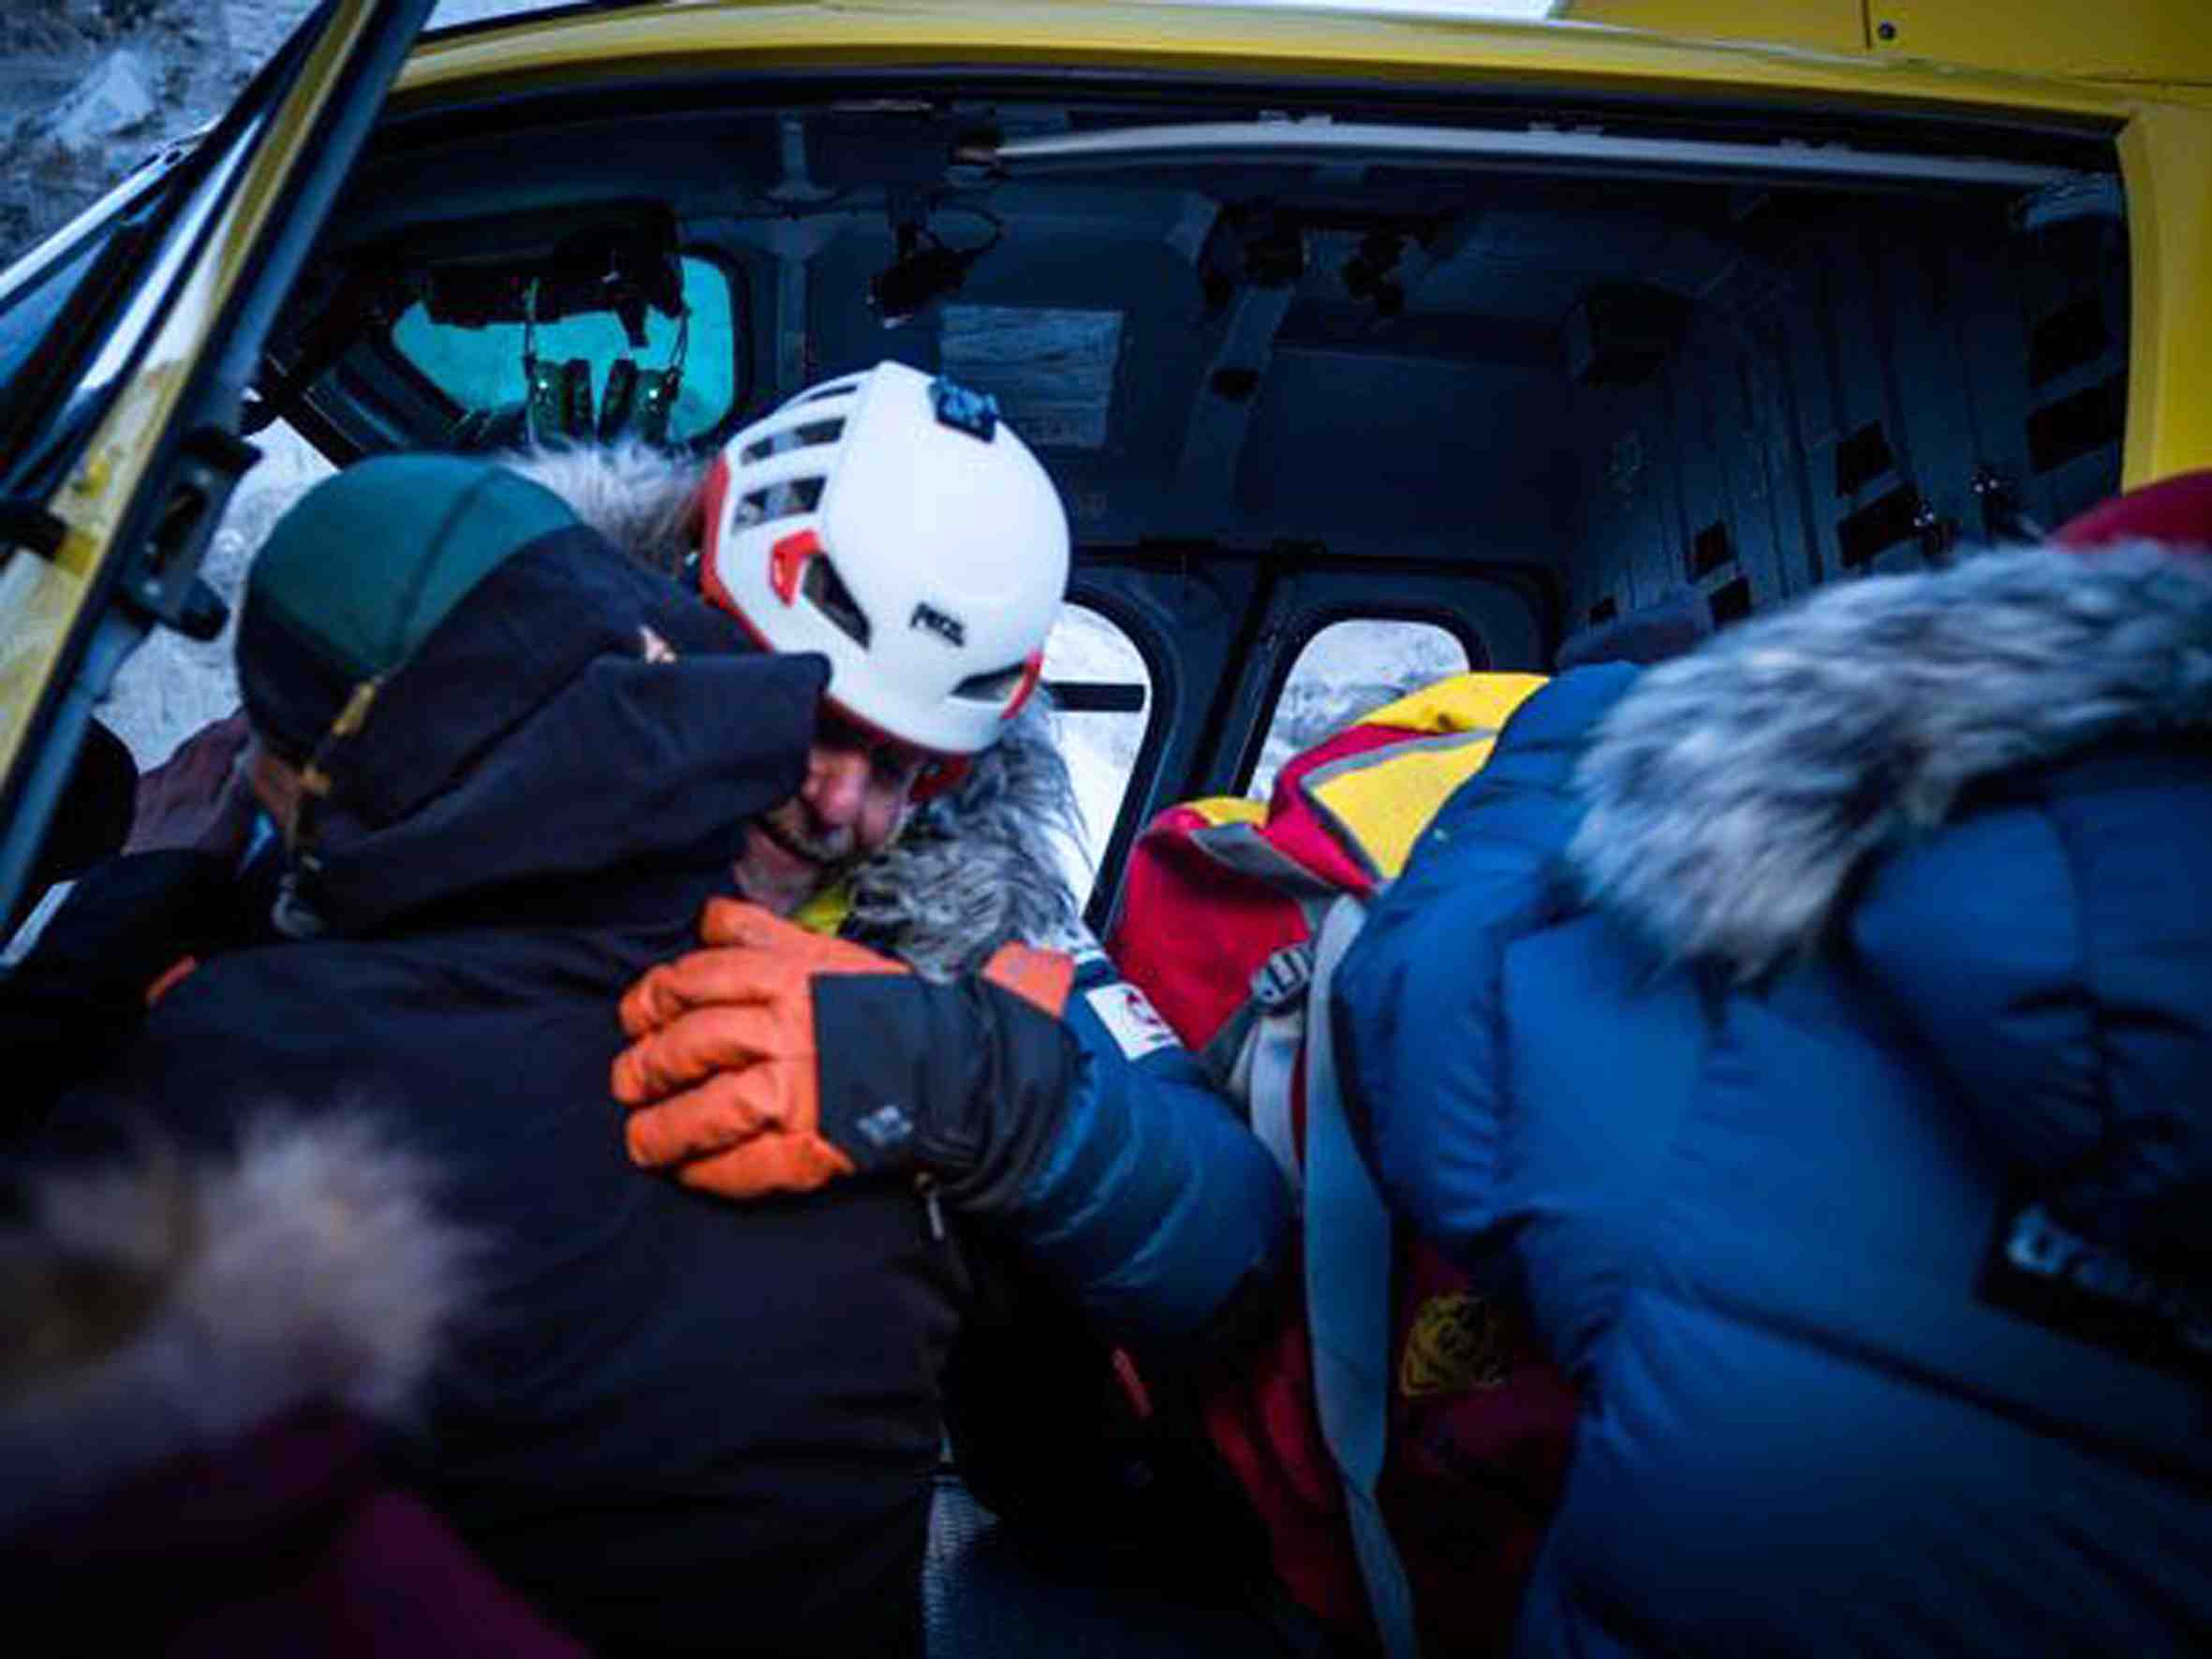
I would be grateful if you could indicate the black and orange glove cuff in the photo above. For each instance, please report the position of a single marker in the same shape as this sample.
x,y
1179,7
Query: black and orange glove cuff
x,y
967,1081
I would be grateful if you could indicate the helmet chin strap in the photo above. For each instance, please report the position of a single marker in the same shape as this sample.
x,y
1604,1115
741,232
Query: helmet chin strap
x,y
939,772
940,777
314,781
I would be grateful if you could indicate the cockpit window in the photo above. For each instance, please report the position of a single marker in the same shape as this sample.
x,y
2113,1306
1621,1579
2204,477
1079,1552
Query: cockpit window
x,y
586,376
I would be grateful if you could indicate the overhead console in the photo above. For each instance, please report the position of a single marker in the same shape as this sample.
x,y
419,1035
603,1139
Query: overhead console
x,y
1746,350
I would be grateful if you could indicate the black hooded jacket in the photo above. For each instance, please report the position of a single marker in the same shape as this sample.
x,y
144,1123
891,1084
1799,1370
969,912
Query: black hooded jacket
x,y
673,1422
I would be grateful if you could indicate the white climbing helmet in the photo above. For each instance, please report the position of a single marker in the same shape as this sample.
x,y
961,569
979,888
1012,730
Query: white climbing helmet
x,y
894,523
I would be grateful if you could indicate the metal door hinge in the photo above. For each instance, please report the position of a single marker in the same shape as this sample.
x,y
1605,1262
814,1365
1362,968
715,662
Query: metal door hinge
x,y
25,523
163,578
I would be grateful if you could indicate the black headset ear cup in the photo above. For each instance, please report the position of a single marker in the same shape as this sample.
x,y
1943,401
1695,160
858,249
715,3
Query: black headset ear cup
x,y
542,400
619,400
657,402
576,399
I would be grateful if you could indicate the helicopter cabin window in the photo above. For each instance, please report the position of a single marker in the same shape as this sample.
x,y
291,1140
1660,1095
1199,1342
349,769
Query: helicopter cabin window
x,y
588,374
1103,696
1347,670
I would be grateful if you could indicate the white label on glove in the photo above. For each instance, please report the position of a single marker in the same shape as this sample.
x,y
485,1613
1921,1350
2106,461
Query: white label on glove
x,y
1131,1020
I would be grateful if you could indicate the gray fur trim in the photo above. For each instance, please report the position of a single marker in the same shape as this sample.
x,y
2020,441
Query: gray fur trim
x,y
638,497
979,868
307,1267
974,869
1733,794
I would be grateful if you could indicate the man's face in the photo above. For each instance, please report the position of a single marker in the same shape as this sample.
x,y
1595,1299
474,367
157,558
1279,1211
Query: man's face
x,y
851,807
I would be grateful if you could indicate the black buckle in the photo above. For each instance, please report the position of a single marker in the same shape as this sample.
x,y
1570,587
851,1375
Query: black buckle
x,y
965,409
1282,978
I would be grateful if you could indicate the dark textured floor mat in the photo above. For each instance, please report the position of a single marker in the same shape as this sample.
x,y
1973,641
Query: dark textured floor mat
x,y
985,1597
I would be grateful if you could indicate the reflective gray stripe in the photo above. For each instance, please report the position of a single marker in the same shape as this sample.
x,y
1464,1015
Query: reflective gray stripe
x,y
1273,1019
1223,1057
1241,847
1340,141
26,937
1346,837
1348,1303
1262,1078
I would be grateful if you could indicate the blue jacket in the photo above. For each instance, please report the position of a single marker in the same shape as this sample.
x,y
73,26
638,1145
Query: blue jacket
x,y
1816,1033
1156,1210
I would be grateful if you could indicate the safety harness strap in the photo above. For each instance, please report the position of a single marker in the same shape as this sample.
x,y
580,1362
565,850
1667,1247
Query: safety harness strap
x,y
1347,1273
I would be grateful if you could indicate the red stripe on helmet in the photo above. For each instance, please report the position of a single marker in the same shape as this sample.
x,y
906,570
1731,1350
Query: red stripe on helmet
x,y
787,559
712,498
1032,669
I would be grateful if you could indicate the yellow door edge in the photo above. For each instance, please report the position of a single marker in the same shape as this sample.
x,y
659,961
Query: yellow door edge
x,y
856,33
2166,168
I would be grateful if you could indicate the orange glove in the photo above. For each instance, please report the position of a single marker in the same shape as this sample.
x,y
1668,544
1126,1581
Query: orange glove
x,y
722,1078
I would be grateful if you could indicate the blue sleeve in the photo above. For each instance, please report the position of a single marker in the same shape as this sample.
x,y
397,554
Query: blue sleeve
x,y
1154,1208
1416,1005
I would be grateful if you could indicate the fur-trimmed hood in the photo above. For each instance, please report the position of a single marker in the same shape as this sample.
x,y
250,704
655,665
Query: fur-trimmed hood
x,y
975,868
1734,794
170,1304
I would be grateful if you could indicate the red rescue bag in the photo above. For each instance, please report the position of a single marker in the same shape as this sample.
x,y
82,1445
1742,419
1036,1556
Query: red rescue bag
x,y
1219,916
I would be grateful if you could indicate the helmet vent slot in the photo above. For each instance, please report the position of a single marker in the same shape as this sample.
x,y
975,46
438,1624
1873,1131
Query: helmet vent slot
x,y
993,687
834,599
779,501
812,434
